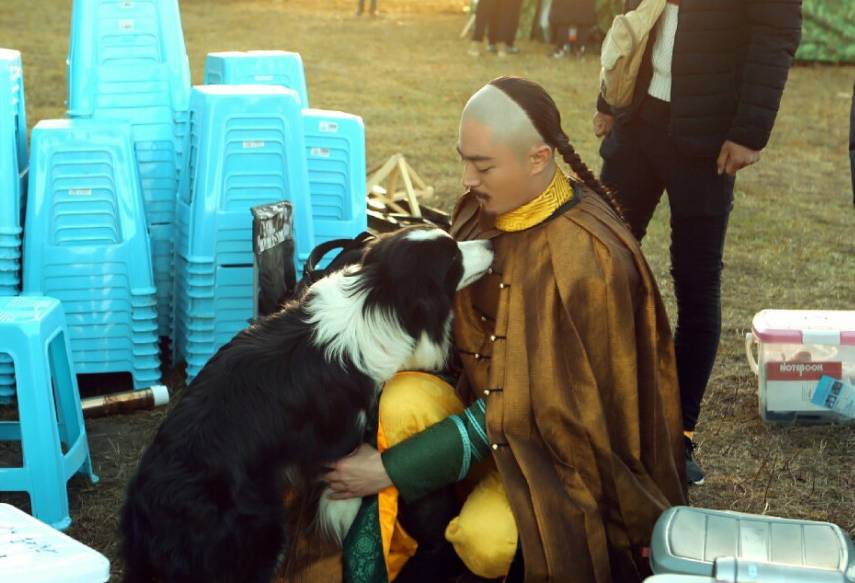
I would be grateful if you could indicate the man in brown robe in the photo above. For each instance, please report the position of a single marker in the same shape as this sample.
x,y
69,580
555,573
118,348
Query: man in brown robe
x,y
567,342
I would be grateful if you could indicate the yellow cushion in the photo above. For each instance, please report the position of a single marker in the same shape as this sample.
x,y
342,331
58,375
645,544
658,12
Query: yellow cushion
x,y
485,534
413,401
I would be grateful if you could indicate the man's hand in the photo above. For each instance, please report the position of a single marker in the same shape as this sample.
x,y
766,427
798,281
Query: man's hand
x,y
359,474
603,123
735,157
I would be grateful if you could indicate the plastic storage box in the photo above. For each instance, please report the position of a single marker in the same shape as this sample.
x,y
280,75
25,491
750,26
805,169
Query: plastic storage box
x,y
689,540
32,551
796,348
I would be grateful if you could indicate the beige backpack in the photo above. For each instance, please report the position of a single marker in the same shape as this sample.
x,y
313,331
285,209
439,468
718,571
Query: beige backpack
x,y
623,49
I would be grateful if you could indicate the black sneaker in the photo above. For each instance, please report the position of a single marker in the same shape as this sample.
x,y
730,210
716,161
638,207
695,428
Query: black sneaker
x,y
694,473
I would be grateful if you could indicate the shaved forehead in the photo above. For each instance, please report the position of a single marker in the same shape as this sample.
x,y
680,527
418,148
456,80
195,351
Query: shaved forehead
x,y
508,122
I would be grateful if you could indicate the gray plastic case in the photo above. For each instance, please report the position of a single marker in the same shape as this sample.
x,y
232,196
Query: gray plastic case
x,y
679,579
688,540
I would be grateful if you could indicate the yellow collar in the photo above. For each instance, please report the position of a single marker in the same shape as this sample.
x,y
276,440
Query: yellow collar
x,y
540,208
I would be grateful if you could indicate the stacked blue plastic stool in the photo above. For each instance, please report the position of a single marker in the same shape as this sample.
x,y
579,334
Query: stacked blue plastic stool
x,y
335,154
50,427
335,141
283,68
127,61
86,244
13,172
13,168
246,148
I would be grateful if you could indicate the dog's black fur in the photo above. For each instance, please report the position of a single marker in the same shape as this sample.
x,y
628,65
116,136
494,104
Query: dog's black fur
x,y
206,501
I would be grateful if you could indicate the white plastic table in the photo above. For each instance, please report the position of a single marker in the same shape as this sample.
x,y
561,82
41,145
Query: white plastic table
x,y
33,552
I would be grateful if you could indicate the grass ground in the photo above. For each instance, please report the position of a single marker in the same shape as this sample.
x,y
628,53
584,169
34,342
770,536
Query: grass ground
x,y
790,244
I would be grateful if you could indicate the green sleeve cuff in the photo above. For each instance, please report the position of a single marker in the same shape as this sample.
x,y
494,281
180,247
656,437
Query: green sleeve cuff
x,y
440,455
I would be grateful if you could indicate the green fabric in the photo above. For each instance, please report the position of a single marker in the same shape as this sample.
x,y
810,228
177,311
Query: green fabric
x,y
362,552
828,31
435,457
362,549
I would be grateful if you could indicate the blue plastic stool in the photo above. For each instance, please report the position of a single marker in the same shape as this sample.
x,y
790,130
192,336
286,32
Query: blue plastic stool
x,y
246,149
127,59
86,243
335,155
33,333
13,168
14,109
258,68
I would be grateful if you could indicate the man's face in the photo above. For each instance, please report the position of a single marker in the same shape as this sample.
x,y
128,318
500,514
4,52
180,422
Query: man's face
x,y
497,174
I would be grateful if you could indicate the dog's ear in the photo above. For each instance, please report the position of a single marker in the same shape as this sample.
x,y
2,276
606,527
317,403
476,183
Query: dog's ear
x,y
427,311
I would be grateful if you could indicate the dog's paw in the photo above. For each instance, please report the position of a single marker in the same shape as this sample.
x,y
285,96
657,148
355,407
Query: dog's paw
x,y
336,516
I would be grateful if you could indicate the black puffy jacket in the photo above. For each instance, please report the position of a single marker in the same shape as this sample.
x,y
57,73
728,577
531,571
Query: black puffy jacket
x,y
730,64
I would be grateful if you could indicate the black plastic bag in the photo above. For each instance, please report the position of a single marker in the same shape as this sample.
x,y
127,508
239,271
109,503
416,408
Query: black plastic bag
x,y
274,275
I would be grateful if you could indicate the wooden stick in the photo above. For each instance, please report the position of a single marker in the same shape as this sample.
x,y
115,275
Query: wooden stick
x,y
468,26
382,172
411,194
389,203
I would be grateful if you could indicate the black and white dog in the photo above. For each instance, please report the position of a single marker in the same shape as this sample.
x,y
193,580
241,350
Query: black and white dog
x,y
288,395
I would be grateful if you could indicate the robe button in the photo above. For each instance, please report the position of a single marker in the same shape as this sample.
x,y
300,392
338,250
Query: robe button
x,y
483,318
492,337
490,270
501,286
477,356
495,446
487,392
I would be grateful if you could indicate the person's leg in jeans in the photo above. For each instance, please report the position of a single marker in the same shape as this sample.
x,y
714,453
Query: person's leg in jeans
x,y
700,201
700,205
628,170
697,250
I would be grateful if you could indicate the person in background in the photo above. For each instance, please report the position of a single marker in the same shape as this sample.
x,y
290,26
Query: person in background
x,y
571,23
706,98
487,20
360,7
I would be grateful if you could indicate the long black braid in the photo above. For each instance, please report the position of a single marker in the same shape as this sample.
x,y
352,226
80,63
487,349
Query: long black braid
x,y
543,113
568,153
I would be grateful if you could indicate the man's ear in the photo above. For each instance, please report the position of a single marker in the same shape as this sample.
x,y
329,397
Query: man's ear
x,y
539,158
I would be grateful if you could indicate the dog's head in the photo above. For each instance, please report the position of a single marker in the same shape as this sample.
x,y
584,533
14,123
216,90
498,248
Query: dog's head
x,y
397,300
414,274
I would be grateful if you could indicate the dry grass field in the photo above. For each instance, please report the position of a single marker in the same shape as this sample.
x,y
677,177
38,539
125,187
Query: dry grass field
x,y
791,242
